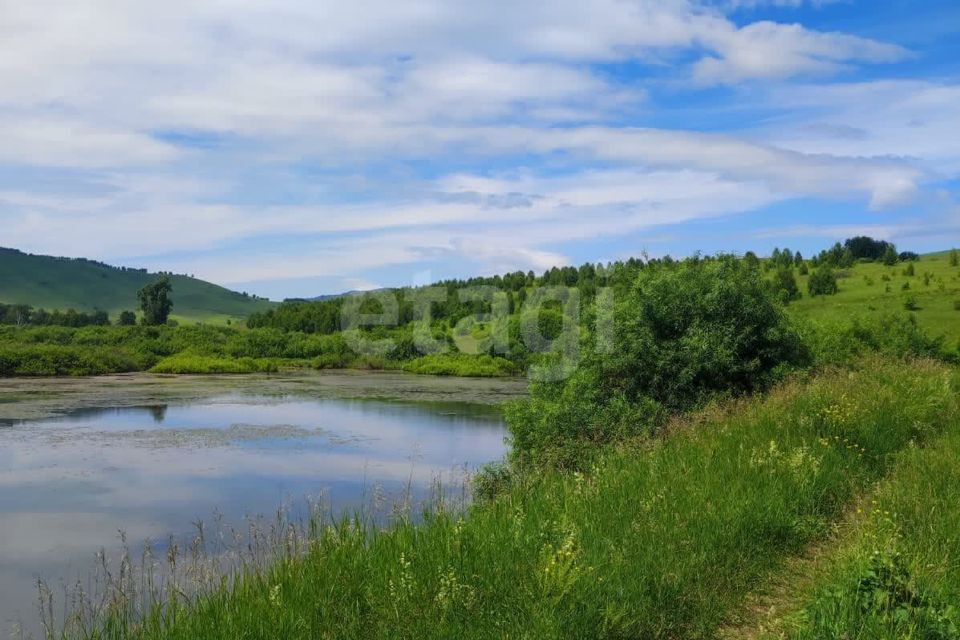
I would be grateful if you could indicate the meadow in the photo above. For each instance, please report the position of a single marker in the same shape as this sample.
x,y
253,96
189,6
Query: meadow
x,y
872,289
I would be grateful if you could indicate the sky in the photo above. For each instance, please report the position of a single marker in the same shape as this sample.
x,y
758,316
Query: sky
x,y
295,148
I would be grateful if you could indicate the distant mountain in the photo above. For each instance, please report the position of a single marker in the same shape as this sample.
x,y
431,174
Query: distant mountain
x,y
49,282
333,296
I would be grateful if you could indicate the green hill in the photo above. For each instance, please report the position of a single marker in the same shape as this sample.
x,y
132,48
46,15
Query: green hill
x,y
52,283
872,289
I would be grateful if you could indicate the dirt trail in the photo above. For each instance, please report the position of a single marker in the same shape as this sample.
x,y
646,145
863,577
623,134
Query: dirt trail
x,y
765,611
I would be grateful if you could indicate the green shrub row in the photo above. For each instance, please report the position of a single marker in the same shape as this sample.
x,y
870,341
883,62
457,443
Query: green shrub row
x,y
57,360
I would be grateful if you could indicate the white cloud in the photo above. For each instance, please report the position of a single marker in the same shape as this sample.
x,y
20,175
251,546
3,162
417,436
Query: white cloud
x,y
895,118
306,90
772,50
754,4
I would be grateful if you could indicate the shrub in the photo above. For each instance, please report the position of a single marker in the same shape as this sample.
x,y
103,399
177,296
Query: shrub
x,y
461,364
823,282
57,360
199,363
785,286
683,333
896,335
127,319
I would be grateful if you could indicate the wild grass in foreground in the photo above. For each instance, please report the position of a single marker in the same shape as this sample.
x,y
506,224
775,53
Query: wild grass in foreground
x,y
900,576
660,539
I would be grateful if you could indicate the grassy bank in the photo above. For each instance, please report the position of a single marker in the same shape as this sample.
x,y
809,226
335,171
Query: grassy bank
x,y
898,576
658,539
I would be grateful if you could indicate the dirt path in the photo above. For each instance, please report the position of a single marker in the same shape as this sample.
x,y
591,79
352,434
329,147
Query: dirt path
x,y
765,611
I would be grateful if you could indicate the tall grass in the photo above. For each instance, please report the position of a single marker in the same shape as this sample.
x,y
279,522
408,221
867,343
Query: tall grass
x,y
660,539
900,576
460,364
197,363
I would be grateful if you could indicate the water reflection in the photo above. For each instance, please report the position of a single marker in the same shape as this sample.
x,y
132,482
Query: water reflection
x,y
68,484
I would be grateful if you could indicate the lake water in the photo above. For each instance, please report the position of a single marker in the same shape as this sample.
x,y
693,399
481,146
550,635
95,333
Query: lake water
x,y
69,483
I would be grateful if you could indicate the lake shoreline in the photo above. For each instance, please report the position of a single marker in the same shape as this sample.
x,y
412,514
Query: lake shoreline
x,y
84,458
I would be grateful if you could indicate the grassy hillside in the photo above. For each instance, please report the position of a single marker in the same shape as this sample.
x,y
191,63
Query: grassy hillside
x,y
865,293
63,283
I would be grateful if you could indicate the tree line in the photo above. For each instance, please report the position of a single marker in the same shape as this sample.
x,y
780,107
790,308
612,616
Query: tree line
x,y
155,307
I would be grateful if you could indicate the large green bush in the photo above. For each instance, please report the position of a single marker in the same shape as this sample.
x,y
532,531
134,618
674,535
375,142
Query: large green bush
x,y
682,334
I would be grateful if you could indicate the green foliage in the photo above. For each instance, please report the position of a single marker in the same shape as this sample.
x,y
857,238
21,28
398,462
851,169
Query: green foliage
x,y
155,302
299,332
909,271
58,360
890,256
25,315
683,333
459,364
911,304
954,258
823,282
187,362
894,334
785,286
865,248
127,319
894,579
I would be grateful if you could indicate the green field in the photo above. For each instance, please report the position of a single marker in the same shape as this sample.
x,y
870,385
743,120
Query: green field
x,y
863,293
45,282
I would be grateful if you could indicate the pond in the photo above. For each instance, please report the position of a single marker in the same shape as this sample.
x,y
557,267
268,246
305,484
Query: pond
x,y
70,482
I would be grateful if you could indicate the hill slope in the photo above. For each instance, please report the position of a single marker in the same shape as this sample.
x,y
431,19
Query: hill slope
x,y
872,289
63,283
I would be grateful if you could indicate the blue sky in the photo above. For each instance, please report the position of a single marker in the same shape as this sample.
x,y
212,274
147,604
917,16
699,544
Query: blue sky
x,y
303,147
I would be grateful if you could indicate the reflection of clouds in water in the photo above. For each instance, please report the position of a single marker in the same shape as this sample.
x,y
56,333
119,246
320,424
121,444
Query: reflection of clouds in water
x,y
38,537
132,476
67,485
